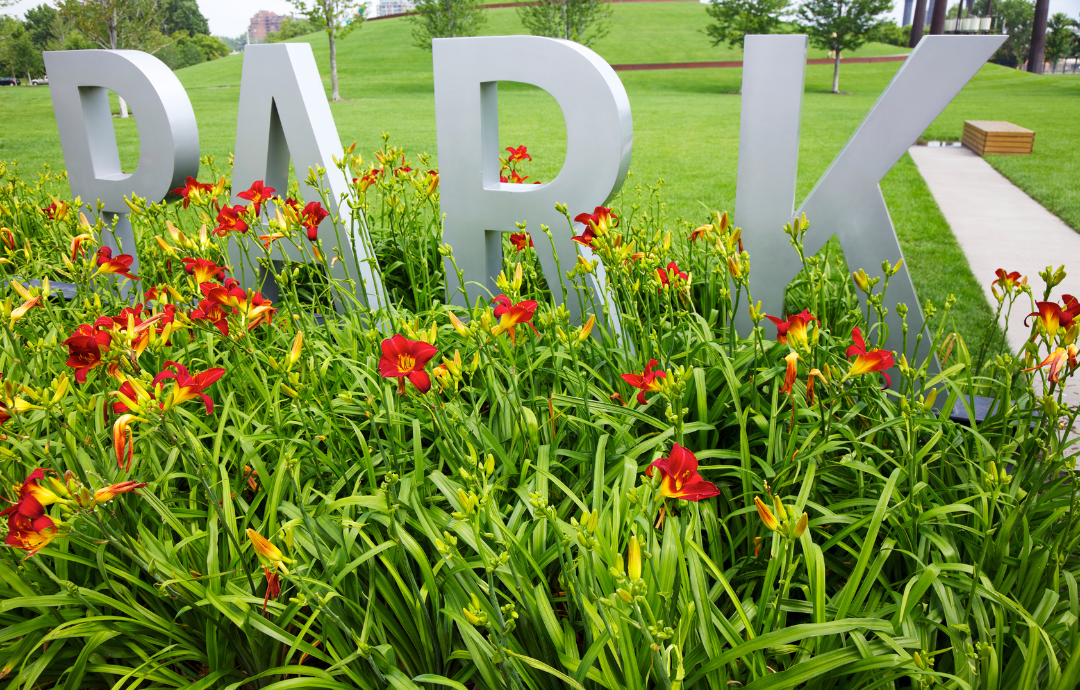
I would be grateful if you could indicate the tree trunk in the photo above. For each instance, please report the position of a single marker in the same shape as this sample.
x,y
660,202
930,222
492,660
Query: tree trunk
x,y
336,95
937,22
836,74
918,23
1038,37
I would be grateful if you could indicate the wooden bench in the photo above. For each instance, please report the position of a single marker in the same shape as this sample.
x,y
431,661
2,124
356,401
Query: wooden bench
x,y
988,136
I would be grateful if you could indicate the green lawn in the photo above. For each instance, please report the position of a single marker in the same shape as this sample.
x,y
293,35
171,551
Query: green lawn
x,y
685,123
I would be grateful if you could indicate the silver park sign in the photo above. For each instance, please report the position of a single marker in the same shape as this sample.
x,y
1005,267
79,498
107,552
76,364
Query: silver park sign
x,y
283,113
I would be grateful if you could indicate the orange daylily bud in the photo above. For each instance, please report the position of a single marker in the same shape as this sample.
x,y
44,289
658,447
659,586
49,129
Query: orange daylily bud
x,y
634,559
266,550
123,441
586,330
791,372
108,493
766,515
800,526
21,310
165,246
457,324
294,352
23,292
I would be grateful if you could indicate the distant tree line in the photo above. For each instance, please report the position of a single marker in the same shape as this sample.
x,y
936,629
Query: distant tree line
x,y
583,21
841,26
175,31
291,28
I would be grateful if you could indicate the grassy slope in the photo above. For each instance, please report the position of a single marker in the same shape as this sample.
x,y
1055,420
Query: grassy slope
x,y
686,121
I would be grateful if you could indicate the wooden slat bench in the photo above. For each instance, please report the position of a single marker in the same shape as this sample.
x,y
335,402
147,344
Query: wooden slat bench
x,y
988,136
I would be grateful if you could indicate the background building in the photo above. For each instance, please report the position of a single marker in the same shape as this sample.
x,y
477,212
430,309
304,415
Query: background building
x,y
388,7
262,24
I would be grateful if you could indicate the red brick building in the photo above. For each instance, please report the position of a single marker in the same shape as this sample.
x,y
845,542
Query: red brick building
x,y
262,24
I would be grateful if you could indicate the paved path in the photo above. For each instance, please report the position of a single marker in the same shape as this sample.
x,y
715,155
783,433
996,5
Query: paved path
x,y
999,226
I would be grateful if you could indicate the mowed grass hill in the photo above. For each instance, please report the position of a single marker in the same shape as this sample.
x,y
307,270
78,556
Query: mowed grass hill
x,y
686,123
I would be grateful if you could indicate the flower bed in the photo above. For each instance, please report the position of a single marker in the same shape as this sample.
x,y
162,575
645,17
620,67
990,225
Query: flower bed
x,y
213,489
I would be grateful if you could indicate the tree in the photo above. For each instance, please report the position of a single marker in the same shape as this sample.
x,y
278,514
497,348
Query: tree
x,y
41,23
211,46
446,19
839,25
583,21
1014,18
119,24
18,57
1037,49
893,35
1059,42
237,43
291,28
192,50
184,15
338,18
737,18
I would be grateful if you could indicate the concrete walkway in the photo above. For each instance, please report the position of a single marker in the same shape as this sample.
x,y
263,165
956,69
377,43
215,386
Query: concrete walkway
x,y
999,226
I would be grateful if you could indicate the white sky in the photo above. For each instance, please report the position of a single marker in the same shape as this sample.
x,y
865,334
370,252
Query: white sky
x,y
231,17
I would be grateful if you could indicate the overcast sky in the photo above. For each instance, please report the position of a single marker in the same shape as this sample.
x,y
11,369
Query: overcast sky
x,y
230,17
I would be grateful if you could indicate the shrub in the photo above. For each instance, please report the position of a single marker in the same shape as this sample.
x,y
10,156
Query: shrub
x,y
223,492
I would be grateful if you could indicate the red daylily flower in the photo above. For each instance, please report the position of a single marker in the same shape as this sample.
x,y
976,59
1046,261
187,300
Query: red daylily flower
x,y
213,312
511,315
795,328
85,347
1051,317
192,185
1007,281
514,178
521,153
56,211
127,398
258,193
32,488
596,224
679,477
131,321
75,247
121,265
29,528
188,387
865,362
203,269
646,380
433,182
228,219
671,273
312,215
1072,306
403,358
521,241
229,294
367,179
258,311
